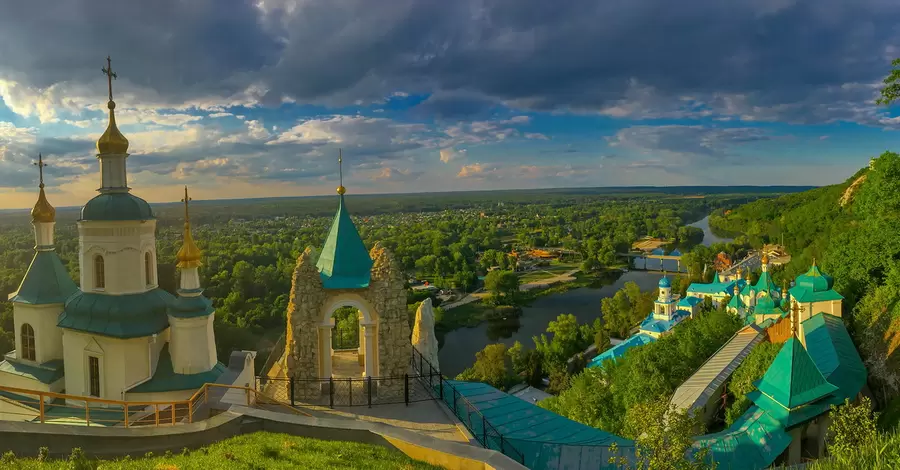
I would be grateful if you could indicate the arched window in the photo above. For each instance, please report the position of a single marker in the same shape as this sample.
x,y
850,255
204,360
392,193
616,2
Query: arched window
x,y
28,351
99,273
148,268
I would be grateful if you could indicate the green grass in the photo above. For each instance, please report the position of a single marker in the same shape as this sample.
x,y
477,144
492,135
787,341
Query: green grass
x,y
251,451
882,454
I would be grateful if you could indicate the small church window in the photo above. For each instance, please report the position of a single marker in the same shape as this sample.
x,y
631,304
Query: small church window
x,y
99,273
148,268
28,349
94,375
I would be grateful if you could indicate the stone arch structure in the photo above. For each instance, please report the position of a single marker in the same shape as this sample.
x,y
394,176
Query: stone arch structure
x,y
382,303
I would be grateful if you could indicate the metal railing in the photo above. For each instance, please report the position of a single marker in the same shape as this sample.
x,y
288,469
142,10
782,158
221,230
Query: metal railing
x,y
349,391
50,407
469,415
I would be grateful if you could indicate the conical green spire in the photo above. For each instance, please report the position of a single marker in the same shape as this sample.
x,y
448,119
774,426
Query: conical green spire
x,y
793,379
344,262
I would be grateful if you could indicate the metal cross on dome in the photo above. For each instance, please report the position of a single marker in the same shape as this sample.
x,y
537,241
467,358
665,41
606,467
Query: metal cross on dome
x,y
40,164
186,200
110,75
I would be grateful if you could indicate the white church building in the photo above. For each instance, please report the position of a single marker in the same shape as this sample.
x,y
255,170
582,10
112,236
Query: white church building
x,y
119,336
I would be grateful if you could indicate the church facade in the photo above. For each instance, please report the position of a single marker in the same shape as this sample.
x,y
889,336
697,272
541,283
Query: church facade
x,y
118,336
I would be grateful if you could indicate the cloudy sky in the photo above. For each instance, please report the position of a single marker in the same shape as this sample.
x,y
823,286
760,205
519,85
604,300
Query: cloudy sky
x,y
241,99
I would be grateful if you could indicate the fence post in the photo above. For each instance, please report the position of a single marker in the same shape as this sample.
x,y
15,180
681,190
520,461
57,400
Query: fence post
x,y
484,431
41,398
441,386
292,384
502,451
454,403
350,383
430,376
420,363
369,378
87,413
331,392
406,389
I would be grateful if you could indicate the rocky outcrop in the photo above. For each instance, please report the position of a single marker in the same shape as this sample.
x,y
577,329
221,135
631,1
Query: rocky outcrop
x,y
423,338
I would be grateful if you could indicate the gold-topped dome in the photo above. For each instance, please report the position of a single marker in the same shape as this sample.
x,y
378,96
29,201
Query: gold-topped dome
x,y
189,255
43,211
765,258
341,190
112,141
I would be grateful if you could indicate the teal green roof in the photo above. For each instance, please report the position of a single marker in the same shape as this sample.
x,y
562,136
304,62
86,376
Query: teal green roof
x,y
46,373
344,262
116,206
814,280
119,316
45,282
793,379
804,294
835,355
765,305
765,283
166,380
753,441
735,302
188,307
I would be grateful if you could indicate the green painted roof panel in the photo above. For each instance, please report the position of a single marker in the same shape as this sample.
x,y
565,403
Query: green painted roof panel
x,y
805,294
814,280
189,307
116,207
118,316
46,373
793,379
344,262
834,354
46,282
166,380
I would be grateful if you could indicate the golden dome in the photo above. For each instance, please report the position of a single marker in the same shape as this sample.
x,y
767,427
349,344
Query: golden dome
x,y
189,255
43,211
765,258
112,141
341,190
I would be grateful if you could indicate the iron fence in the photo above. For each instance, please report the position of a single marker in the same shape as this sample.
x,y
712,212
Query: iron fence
x,y
468,414
350,391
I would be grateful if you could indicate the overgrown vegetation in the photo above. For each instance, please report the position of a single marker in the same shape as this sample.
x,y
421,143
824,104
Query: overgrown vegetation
x,y
251,451
602,397
857,244
752,369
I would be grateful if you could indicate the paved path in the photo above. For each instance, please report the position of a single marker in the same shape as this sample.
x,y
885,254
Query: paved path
x,y
477,295
564,277
425,417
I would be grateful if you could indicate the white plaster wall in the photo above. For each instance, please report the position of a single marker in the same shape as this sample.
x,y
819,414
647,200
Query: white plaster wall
x,y
122,245
17,381
832,307
192,345
123,362
47,336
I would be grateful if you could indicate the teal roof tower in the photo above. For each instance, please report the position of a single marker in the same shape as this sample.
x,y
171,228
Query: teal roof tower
x,y
47,281
344,262
814,286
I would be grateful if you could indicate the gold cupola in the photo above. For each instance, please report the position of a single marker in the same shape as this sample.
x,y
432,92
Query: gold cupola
x,y
112,141
189,255
42,211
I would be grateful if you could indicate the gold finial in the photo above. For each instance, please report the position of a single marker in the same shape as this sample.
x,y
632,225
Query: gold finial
x,y
189,255
112,141
814,261
795,318
341,189
765,258
42,211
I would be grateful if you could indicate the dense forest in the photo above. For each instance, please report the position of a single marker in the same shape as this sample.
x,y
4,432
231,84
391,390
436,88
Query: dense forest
x,y
251,246
850,230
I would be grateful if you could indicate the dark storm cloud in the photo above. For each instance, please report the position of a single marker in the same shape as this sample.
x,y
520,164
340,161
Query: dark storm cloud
x,y
759,59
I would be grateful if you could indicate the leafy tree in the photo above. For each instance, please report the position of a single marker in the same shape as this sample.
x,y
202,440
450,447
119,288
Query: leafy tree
x,y
502,284
751,370
490,367
891,91
852,426
662,436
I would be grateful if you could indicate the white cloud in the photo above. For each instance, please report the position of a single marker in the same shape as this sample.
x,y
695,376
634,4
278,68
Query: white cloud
x,y
449,154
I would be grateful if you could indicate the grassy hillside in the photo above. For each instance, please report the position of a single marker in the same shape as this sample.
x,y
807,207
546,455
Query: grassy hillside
x,y
252,451
855,237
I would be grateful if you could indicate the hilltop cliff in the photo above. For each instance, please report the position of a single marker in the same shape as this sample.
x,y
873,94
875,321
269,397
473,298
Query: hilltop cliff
x,y
851,230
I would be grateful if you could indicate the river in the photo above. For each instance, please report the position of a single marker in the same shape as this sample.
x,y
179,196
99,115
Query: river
x,y
460,345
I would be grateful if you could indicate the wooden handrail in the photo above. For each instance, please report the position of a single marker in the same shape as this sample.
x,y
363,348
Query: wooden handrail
x,y
125,405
